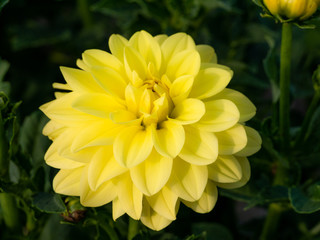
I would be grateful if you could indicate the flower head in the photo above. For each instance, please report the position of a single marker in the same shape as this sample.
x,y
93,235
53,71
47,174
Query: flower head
x,y
149,126
292,9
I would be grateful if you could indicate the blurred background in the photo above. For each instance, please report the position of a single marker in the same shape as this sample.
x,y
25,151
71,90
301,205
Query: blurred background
x,y
38,36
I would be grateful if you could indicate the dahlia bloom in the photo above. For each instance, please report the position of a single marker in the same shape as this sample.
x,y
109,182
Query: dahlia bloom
x,y
292,9
149,126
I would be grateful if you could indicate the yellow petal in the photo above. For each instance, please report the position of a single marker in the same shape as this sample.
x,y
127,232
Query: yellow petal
x,y
232,140
103,167
200,147
165,203
168,139
52,129
245,167
80,80
207,53
207,201
181,88
133,61
209,82
161,108
99,105
117,44
176,43
67,181
220,115
253,144
129,196
188,181
188,111
161,38
132,146
226,169
56,161
183,63
133,96
95,57
245,106
101,196
153,220
117,210
125,117
152,174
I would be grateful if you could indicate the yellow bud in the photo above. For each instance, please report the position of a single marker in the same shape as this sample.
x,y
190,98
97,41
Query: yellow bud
x,y
292,9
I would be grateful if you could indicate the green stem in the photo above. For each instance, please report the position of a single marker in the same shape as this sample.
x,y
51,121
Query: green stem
x,y
4,161
109,230
133,228
83,10
285,68
271,223
303,133
9,211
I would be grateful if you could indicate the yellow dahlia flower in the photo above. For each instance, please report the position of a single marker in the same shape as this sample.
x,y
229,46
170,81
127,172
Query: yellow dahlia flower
x,y
149,126
292,9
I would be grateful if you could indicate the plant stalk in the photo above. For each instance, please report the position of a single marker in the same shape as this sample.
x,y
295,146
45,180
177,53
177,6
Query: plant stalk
x,y
83,10
133,228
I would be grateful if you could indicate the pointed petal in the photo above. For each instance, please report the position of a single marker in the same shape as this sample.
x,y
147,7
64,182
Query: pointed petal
x,y
246,108
181,88
153,220
188,181
200,147
67,181
80,80
165,203
207,201
168,139
209,82
103,167
133,96
99,105
232,140
101,196
56,161
220,115
117,44
226,169
133,61
245,167
117,210
125,117
207,53
129,196
188,111
151,175
110,80
253,144
183,63
132,146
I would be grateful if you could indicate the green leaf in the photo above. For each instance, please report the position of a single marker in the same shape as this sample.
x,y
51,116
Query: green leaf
x,y
212,231
14,172
49,203
3,3
305,201
4,67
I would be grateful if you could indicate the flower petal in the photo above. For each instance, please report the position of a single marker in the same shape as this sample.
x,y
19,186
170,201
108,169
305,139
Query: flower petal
x,y
220,115
207,53
67,181
110,80
101,196
188,181
181,88
103,167
232,140
207,201
188,111
200,147
246,108
132,146
129,196
117,44
226,169
183,63
56,161
165,203
245,167
133,61
117,210
253,144
152,219
99,105
80,80
168,139
152,174
209,82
